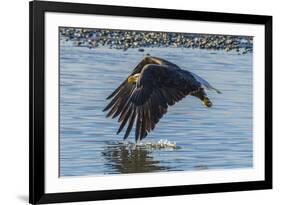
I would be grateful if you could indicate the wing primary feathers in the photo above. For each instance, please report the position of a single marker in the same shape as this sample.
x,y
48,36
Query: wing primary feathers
x,y
124,112
138,124
112,102
116,90
143,124
121,98
126,106
131,123
147,116
125,120
154,108
113,109
123,104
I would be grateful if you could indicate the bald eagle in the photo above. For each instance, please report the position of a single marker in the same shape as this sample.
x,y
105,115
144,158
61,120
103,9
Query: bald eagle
x,y
144,96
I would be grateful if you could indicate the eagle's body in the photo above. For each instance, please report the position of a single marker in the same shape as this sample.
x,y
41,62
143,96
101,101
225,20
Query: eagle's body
x,y
143,98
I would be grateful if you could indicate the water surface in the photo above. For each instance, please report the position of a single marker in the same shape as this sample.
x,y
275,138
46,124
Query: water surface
x,y
208,138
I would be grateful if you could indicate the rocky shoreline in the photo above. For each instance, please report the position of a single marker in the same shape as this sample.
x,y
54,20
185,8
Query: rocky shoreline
x,y
140,40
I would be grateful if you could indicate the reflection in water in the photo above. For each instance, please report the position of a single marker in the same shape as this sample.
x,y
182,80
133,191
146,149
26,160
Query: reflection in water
x,y
128,158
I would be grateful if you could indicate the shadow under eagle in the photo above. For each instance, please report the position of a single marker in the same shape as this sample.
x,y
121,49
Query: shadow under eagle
x,y
144,96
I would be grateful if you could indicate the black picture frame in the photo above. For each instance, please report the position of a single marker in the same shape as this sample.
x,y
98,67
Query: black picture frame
x,y
37,9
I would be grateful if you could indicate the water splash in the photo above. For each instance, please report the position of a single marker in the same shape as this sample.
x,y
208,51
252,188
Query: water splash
x,y
161,144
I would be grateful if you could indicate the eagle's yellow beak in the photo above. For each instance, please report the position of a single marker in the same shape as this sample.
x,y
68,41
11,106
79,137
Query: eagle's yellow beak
x,y
132,79
207,102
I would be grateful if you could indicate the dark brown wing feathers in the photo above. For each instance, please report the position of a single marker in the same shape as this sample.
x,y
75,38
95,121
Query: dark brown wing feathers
x,y
160,85
131,123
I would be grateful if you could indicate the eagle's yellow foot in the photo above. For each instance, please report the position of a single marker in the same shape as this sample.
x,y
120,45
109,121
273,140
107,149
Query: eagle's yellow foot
x,y
207,102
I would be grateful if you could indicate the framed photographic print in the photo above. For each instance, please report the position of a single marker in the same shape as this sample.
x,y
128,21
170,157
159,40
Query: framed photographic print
x,y
139,102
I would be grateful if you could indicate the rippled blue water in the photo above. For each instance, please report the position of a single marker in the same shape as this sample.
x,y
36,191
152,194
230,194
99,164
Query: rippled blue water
x,y
208,138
